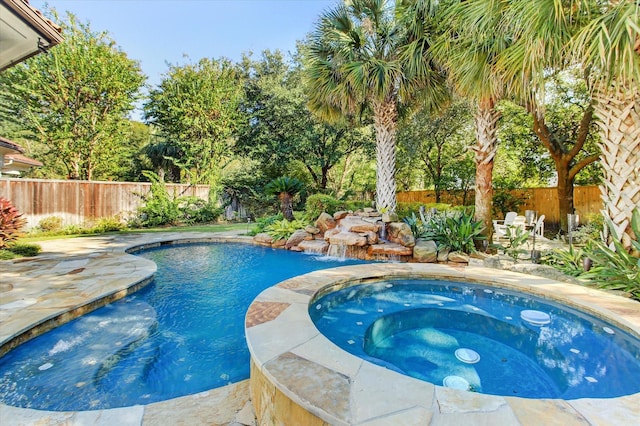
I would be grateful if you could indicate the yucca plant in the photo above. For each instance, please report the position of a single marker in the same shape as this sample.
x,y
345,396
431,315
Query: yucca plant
x,y
615,267
11,223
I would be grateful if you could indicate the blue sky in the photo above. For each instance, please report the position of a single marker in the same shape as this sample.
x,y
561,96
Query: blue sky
x,y
155,32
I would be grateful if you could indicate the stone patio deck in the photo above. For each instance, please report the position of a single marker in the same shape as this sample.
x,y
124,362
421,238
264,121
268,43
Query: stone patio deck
x,y
73,273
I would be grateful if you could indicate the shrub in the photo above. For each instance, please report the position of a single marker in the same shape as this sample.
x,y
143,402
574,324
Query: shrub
x,y
50,224
263,222
568,262
318,203
11,223
616,268
25,249
456,231
107,224
159,207
516,238
504,201
196,210
407,209
283,229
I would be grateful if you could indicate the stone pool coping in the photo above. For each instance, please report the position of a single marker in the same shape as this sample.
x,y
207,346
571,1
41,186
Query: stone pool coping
x,y
74,276
298,373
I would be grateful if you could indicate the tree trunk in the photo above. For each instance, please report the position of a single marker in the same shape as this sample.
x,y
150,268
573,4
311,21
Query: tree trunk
x,y
486,120
565,195
385,116
286,205
618,111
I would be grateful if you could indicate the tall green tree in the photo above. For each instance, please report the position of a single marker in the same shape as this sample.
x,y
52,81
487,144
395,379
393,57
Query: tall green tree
x,y
364,55
565,127
438,142
74,101
469,45
602,37
195,106
279,128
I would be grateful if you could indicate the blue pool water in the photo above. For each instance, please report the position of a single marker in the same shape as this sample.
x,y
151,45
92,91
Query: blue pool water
x,y
475,338
180,335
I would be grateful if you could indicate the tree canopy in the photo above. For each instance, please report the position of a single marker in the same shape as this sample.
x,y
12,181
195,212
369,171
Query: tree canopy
x,y
195,107
74,102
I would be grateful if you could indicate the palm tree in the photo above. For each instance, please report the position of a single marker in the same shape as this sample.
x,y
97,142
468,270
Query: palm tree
x,y
610,46
285,188
469,46
606,42
363,55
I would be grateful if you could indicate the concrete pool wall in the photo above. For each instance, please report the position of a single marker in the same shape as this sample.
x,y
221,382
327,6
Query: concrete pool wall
x,y
298,376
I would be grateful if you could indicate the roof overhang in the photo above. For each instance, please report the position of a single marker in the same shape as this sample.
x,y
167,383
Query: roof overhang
x,y
9,147
24,32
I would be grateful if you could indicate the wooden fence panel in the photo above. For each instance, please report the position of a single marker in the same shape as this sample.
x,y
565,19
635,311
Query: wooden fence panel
x,y
78,202
587,201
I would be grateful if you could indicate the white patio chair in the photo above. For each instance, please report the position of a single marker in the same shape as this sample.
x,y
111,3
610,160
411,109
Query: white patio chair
x,y
500,226
538,228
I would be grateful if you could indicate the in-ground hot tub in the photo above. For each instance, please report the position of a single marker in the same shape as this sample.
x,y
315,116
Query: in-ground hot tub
x,y
299,376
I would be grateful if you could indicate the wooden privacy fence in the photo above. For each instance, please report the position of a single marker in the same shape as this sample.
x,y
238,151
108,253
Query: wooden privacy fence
x,y
586,201
78,202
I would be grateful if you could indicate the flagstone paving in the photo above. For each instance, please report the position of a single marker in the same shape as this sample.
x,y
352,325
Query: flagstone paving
x,y
73,276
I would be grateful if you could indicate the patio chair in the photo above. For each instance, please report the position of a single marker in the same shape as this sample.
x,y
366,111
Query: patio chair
x,y
500,226
538,228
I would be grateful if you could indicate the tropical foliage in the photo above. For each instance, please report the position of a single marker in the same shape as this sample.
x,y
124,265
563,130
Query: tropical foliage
x,y
454,231
11,223
614,266
284,188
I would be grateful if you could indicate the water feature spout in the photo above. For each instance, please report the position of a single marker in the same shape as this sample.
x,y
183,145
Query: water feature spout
x,y
337,250
383,231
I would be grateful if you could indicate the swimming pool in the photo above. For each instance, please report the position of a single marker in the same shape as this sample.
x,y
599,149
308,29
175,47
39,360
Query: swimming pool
x,y
181,335
483,339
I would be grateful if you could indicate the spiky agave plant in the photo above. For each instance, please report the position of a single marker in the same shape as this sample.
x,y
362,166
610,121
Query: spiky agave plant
x,y
615,267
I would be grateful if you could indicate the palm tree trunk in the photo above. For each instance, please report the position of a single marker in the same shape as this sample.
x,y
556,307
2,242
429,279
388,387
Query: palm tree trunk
x,y
486,121
286,205
385,116
618,111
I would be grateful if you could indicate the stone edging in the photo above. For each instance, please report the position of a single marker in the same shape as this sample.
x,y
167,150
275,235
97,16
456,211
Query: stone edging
x,y
298,373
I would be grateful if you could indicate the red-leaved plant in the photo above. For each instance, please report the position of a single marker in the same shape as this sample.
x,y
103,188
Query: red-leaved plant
x,y
11,222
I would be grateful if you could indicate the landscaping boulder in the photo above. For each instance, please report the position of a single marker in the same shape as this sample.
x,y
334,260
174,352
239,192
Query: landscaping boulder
x,y
296,238
263,239
356,224
340,215
458,257
348,239
313,230
279,243
324,222
330,233
314,246
389,250
372,237
425,251
389,217
400,232
443,255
